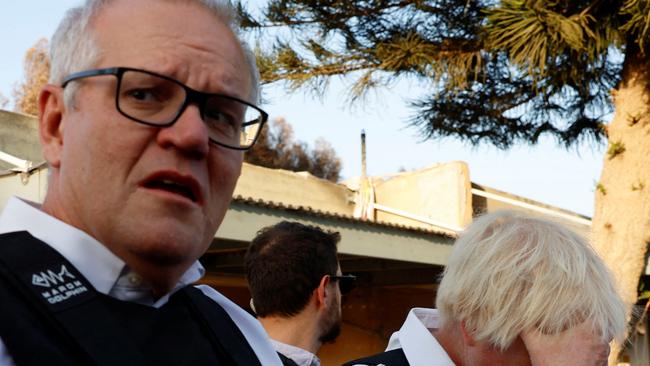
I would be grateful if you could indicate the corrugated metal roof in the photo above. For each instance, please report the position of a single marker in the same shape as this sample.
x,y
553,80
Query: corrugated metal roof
x,y
338,216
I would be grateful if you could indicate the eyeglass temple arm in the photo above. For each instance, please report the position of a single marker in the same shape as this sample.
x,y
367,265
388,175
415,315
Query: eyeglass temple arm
x,y
87,73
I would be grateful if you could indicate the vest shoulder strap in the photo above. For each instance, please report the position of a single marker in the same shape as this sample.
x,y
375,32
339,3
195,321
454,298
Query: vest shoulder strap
x,y
223,331
286,361
394,357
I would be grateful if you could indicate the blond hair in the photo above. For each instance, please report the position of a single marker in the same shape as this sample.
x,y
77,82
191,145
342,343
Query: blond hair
x,y
509,272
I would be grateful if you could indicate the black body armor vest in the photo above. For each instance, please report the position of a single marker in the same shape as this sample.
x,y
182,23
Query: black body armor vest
x,y
51,315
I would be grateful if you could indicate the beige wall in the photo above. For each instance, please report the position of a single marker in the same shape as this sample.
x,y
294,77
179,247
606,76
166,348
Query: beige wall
x,y
19,136
31,187
440,192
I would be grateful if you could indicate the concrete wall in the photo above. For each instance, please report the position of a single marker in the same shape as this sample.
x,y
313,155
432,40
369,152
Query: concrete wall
x,y
19,136
31,187
440,192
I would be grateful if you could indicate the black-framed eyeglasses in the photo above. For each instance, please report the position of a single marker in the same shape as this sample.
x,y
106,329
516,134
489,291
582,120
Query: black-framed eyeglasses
x,y
346,282
158,100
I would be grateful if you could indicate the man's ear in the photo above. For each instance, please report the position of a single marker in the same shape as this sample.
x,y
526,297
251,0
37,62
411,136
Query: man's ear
x,y
467,335
323,292
50,119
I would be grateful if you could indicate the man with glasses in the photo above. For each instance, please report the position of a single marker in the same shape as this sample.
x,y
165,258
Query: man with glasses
x,y
296,285
149,108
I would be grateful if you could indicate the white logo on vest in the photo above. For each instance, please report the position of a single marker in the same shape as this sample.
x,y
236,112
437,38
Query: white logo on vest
x,y
62,285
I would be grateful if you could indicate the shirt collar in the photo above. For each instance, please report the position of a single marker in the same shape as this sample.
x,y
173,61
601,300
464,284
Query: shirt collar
x,y
416,340
107,273
300,356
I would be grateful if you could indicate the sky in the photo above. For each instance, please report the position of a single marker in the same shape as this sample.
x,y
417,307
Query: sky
x,y
545,172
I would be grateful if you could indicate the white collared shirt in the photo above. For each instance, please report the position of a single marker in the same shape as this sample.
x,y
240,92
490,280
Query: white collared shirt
x,y
416,341
300,356
109,275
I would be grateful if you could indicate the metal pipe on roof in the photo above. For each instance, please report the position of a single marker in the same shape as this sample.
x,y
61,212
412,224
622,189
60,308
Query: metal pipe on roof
x,y
21,165
363,155
419,218
544,210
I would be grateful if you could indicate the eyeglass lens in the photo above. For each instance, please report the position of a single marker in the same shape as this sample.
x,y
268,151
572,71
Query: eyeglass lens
x,y
159,101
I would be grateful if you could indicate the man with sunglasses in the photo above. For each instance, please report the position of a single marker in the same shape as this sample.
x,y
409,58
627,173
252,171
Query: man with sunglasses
x,y
149,108
296,285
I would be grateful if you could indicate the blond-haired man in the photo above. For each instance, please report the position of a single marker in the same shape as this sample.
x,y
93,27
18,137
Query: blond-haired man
x,y
517,290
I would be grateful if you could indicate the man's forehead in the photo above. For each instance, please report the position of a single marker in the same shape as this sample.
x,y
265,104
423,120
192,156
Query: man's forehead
x,y
155,35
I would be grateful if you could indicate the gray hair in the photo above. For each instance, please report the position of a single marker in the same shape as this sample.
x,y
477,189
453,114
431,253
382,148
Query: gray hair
x,y
73,47
509,272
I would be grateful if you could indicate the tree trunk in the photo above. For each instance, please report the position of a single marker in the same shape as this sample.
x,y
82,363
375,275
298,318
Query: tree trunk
x,y
621,223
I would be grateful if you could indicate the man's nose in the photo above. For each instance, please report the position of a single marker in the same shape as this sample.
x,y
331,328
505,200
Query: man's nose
x,y
188,134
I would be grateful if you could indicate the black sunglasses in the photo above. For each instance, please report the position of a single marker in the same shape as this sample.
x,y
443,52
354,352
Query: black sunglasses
x,y
346,282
